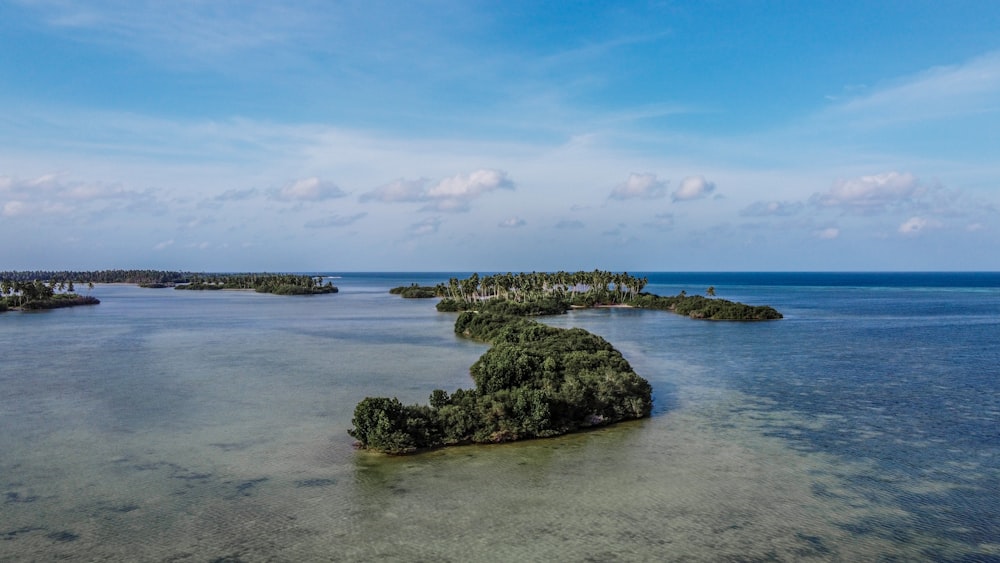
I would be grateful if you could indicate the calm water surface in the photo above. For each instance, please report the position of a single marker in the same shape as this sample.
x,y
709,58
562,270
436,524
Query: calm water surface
x,y
182,426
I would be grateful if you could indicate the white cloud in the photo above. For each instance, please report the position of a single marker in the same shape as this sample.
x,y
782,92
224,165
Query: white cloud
x,y
973,227
828,233
194,222
772,208
335,221
428,226
915,225
869,194
308,189
449,195
50,195
163,244
693,187
15,208
512,223
472,185
642,186
89,192
398,190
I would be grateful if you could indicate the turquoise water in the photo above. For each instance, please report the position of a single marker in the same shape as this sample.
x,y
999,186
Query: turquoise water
x,y
180,426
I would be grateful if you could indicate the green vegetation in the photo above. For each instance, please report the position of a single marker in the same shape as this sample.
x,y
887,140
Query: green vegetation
x,y
279,284
542,305
102,276
698,307
555,293
61,300
36,294
536,381
584,289
282,284
54,289
414,291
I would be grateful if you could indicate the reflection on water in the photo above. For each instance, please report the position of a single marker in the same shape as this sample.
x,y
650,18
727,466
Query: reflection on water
x,y
173,426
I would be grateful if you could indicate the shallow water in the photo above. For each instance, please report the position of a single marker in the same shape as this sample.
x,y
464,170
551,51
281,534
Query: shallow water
x,y
183,426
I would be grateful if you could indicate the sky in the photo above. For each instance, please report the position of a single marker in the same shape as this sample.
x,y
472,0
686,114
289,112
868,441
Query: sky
x,y
500,136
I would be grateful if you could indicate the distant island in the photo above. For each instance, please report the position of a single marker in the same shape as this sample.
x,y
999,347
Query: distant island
x,y
536,381
414,291
280,284
38,295
555,293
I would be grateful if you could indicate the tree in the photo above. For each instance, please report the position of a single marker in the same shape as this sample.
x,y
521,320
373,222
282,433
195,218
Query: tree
x,y
710,291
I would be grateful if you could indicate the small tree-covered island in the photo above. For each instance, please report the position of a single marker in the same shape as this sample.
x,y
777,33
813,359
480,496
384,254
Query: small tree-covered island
x,y
46,289
535,381
278,284
540,293
38,295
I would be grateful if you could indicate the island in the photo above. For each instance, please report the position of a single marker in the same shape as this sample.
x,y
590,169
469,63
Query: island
x,y
414,291
38,295
535,293
278,284
535,381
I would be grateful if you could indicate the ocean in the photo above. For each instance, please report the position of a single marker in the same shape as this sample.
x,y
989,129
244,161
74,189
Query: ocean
x,y
178,426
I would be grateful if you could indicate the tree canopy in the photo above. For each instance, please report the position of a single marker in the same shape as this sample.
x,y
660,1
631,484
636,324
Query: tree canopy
x,y
38,294
535,381
555,293
280,284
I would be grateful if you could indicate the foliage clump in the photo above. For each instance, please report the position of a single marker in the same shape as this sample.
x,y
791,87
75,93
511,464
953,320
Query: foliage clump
x,y
36,294
699,307
555,293
414,291
59,301
536,381
279,284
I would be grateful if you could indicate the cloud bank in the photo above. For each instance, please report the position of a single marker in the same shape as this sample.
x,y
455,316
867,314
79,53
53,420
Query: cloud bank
x,y
454,194
308,189
640,186
869,194
692,188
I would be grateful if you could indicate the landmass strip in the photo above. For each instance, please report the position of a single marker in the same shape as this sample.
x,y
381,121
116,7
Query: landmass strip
x,y
45,289
536,381
555,293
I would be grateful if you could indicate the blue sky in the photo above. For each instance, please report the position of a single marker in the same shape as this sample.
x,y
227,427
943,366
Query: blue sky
x,y
218,135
